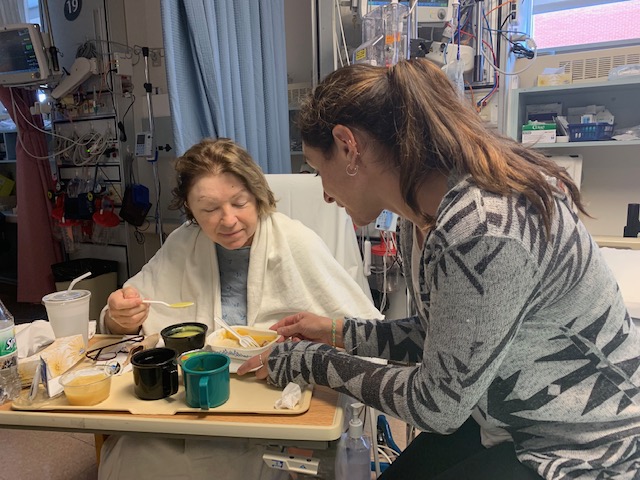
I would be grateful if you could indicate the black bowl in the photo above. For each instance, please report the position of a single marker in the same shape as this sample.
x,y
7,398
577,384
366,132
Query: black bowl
x,y
183,337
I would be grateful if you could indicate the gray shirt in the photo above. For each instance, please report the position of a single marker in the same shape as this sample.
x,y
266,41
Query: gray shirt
x,y
234,269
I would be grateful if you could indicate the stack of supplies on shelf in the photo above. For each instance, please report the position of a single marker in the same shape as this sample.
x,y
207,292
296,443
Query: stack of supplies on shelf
x,y
539,132
589,123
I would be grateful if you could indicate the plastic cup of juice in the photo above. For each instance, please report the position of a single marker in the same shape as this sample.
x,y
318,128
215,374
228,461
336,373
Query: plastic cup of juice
x,y
87,386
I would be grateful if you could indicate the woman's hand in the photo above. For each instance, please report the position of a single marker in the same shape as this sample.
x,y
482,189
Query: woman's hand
x,y
308,326
257,364
126,311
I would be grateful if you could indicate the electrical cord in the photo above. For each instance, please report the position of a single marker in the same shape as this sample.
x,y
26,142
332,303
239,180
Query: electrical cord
x,y
36,127
385,455
133,99
123,133
385,432
97,144
128,50
87,50
531,56
522,52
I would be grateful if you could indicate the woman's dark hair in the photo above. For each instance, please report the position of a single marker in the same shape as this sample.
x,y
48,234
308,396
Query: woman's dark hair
x,y
413,114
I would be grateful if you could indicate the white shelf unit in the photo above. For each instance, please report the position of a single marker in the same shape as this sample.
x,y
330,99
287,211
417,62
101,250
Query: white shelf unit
x,y
610,169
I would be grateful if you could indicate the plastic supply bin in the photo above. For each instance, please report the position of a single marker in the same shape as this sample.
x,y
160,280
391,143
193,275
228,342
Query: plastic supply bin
x,y
585,132
103,279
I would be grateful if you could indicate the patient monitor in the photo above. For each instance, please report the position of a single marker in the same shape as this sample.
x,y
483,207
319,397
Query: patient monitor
x,y
435,11
23,60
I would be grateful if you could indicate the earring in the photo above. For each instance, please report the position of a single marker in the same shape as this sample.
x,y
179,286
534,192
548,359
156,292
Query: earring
x,y
352,171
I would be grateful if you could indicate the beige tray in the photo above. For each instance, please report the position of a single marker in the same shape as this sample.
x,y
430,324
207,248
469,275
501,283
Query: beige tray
x,y
248,395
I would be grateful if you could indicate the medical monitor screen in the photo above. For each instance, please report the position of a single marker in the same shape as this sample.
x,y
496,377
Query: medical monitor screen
x,y
377,3
21,55
437,11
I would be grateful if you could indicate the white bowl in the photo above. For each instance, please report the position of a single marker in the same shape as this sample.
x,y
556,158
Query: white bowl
x,y
222,342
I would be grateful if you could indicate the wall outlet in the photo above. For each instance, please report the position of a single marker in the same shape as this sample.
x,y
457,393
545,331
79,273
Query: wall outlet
x,y
513,12
123,64
156,59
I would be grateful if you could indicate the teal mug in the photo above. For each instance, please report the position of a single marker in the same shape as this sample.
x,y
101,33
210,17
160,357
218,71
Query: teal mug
x,y
206,380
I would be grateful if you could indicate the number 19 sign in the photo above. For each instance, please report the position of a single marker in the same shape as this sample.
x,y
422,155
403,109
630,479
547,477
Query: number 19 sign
x,y
72,9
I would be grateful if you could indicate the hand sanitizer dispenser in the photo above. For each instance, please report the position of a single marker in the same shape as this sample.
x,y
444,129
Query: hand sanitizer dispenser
x,y
353,459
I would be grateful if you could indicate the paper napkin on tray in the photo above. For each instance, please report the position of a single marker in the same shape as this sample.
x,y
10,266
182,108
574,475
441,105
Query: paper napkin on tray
x,y
32,337
60,356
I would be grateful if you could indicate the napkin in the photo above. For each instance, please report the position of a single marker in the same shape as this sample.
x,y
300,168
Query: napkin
x,y
59,356
32,337
290,396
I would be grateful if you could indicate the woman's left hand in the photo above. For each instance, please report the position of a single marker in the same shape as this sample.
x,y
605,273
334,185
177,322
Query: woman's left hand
x,y
257,364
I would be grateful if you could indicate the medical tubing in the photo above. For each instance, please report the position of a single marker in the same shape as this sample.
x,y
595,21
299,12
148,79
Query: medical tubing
x,y
478,64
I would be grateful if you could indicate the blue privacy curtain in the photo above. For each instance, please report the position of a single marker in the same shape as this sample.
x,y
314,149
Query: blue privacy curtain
x,y
227,75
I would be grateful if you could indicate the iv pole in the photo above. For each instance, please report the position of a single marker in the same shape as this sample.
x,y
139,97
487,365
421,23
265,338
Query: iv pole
x,y
153,160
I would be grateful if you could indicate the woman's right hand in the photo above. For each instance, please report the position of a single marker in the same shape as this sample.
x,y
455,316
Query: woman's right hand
x,y
308,326
126,311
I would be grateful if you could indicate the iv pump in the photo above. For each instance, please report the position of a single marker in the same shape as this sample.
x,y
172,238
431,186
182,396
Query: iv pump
x,y
353,458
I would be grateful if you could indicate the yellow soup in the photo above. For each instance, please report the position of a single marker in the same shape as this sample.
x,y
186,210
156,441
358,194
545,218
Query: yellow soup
x,y
88,389
183,334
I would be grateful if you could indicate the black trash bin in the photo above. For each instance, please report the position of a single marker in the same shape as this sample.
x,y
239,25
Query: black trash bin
x,y
102,281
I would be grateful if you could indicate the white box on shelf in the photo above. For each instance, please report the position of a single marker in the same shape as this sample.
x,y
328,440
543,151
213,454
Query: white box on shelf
x,y
539,133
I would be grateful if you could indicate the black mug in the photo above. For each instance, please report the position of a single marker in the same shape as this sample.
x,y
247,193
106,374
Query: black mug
x,y
155,373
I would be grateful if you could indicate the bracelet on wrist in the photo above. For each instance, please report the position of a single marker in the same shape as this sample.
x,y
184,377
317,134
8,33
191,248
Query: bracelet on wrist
x,y
333,332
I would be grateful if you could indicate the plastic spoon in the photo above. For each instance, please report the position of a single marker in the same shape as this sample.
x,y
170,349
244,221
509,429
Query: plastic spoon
x,y
170,305
76,280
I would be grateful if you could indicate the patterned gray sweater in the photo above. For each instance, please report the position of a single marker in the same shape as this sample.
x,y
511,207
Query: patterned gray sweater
x,y
529,332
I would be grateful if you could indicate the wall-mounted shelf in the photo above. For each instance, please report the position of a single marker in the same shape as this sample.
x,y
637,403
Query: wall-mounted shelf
x,y
620,97
618,242
608,144
610,168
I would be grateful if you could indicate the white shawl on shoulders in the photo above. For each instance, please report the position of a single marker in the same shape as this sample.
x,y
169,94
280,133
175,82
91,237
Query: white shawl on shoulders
x,y
290,270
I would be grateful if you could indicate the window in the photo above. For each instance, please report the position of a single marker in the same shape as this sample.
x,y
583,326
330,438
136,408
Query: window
x,y
570,24
32,10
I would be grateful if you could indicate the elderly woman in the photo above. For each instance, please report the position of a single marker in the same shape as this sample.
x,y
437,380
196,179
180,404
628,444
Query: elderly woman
x,y
237,258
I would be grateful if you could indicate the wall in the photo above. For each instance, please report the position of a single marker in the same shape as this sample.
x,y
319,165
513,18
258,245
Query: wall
x,y
299,29
144,28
